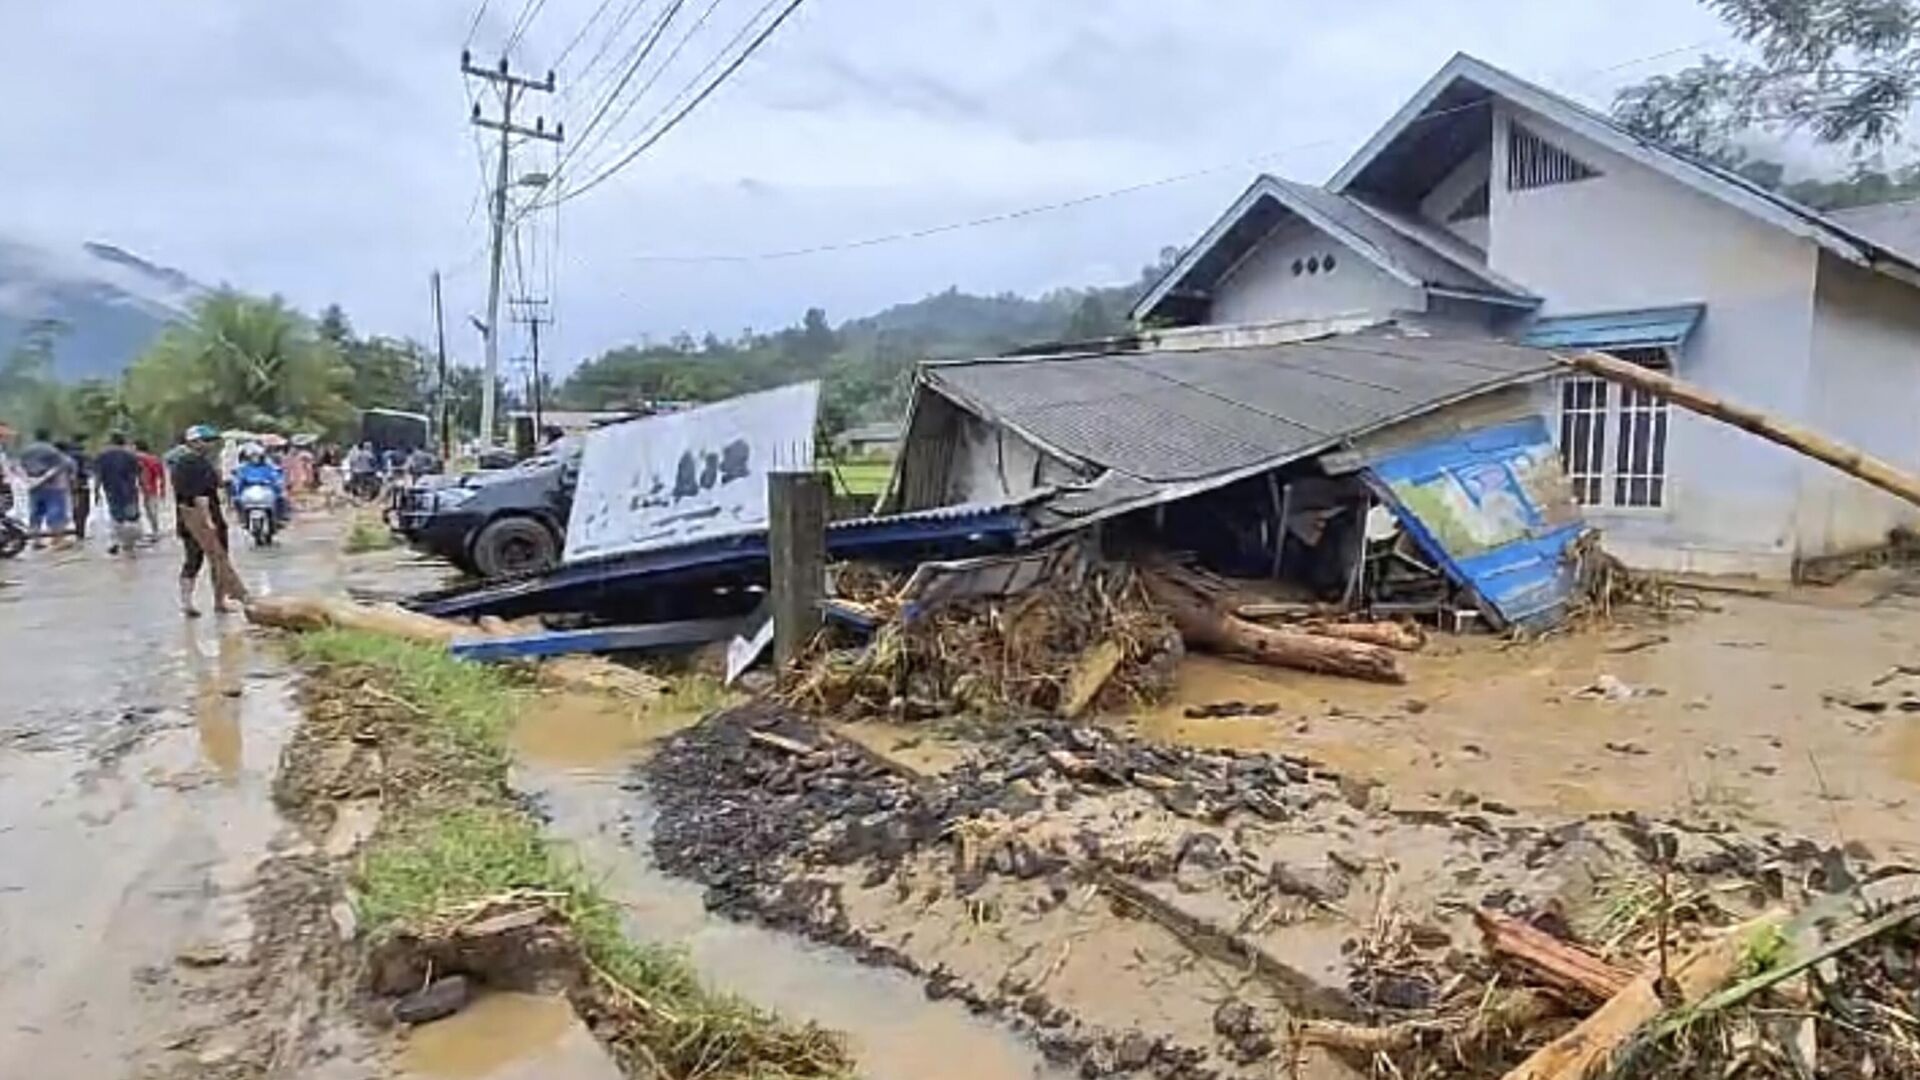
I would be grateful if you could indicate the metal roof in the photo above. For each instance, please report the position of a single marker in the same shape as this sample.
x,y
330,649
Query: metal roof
x,y
1642,329
1176,416
1403,249
1894,225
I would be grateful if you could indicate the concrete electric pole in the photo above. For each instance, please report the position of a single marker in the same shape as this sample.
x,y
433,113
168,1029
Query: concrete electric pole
x,y
510,86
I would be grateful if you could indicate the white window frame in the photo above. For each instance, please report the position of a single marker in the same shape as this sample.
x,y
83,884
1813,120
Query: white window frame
x,y
1632,477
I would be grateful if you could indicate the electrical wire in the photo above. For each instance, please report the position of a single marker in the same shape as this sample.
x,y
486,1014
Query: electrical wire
x,y
582,33
580,145
753,46
613,35
651,39
527,14
474,26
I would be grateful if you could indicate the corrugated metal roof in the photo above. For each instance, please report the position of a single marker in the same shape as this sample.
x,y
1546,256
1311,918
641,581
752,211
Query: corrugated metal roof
x,y
1174,416
1641,329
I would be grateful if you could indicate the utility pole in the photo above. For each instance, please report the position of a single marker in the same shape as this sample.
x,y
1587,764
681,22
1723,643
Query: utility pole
x,y
510,86
440,396
529,312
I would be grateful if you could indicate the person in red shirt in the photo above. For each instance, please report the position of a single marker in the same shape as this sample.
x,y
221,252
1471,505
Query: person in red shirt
x,y
153,485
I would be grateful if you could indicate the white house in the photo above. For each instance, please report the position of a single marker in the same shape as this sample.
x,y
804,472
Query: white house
x,y
1490,205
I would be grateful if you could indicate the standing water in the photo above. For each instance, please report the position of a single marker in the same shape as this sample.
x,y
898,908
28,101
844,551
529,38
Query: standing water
x,y
575,754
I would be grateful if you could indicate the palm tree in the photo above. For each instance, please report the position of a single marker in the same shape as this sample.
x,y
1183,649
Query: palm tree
x,y
245,362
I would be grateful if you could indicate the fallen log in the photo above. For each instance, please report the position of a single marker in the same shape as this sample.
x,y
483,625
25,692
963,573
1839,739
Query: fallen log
x,y
1557,963
1851,460
1582,1052
1510,1012
1387,635
1300,993
1204,618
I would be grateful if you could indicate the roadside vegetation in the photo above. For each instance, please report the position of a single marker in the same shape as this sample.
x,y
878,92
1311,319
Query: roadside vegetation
x,y
452,838
365,536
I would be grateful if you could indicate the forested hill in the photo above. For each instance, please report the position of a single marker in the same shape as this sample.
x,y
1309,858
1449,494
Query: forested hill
x,y
865,363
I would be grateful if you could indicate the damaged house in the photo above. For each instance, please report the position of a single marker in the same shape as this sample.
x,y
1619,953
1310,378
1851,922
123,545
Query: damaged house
x,y
1489,206
1384,469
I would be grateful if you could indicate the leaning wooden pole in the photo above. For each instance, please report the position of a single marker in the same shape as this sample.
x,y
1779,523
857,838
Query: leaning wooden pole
x,y
1850,460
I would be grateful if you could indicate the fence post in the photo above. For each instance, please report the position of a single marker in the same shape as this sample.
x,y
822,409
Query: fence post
x,y
797,548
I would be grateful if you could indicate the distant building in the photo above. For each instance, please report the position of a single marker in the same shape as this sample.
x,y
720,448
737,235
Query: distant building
x,y
868,440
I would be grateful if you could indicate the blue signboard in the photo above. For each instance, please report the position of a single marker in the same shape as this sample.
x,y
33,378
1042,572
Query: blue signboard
x,y
1494,509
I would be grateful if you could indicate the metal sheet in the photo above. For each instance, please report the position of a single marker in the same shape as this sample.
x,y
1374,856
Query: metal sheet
x,y
1648,328
665,481
1493,508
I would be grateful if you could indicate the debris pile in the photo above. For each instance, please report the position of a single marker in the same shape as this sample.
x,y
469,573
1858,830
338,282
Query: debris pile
x,y
1084,637
1470,938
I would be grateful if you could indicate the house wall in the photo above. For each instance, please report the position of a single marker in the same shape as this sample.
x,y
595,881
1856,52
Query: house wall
x,y
1263,286
1631,238
1445,197
1865,390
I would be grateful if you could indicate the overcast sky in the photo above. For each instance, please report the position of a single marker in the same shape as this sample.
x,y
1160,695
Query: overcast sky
x,y
321,150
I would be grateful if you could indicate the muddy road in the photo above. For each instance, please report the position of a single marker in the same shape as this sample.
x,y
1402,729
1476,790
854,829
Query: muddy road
x,y
136,753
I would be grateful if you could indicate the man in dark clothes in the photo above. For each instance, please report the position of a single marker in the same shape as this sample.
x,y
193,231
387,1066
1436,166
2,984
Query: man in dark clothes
x,y
76,451
196,490
119,473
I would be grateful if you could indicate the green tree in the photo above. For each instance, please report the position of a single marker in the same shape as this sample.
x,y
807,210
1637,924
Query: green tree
x,y
245,362
30,397
1091,319
1845,71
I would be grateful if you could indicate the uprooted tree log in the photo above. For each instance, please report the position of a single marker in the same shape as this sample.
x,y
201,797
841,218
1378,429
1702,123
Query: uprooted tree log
x,y
1204,615
1583,1051
1851,460
1387,635
1556,963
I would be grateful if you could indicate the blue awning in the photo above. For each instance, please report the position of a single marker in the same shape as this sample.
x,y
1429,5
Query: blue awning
x,y
1646,328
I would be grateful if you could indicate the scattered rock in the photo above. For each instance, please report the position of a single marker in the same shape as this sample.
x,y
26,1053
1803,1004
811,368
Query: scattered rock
x,y
204,955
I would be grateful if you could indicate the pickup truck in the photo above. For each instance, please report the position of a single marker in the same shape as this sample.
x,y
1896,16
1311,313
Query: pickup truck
x,y
496,522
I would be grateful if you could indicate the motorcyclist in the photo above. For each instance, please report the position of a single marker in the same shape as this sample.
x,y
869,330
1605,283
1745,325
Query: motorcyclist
x,y
363,471
255,468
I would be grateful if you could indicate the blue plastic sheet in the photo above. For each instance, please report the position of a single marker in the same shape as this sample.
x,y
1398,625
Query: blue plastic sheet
x,y
1494,509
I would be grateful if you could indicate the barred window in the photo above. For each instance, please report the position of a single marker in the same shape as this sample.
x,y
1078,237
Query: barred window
x,y
1533,162
1613,439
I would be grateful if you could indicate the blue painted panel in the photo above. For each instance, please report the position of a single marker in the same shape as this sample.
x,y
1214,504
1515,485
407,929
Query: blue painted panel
x,y
1494,509
1646,328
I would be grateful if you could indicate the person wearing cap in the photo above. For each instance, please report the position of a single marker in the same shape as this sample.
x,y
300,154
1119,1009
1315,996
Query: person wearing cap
x,y
195,476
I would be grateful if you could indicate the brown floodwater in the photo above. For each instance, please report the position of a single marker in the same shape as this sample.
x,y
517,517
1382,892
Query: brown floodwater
x,y
506,1037
1726,716
897,1034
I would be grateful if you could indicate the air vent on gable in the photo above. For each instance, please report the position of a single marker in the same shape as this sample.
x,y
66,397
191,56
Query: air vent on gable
x,y
1471,208
1533,162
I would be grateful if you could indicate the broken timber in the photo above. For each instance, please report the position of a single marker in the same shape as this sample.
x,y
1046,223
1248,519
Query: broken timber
x,y
1850,460
1206,619
1559,964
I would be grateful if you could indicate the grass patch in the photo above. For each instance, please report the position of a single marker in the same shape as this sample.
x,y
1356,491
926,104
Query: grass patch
x,y
442,846
365,536
862,477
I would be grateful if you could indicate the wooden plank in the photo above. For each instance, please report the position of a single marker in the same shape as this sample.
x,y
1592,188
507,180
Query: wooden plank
x,y
1556,962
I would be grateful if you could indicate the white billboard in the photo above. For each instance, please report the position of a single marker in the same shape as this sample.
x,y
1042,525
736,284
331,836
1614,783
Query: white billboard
x,y
668,480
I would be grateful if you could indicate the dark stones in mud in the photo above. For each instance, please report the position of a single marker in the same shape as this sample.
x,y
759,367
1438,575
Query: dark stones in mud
x,y
1245,1029
441,999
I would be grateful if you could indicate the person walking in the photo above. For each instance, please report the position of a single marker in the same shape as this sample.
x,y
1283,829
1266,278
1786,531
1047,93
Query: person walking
x,y
118,471
153,484
49,474
196,496
76,451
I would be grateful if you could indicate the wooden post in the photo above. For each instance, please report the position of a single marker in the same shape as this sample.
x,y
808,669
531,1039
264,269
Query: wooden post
x,y
797,548
1850,460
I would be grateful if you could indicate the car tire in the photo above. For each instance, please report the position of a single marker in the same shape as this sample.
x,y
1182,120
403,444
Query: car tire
x,y
512,546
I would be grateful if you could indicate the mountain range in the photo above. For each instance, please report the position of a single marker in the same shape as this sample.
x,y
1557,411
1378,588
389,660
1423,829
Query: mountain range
x,y
109,302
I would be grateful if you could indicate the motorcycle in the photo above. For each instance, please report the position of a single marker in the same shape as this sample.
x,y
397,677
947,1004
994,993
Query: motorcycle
x,y
257,506
364,486
13,535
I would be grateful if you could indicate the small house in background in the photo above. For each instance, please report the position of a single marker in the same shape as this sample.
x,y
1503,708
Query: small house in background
x,y
1490,206
1386,469
868,440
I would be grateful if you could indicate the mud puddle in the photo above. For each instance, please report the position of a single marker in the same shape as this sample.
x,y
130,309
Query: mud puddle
x,y
579,770
507,1037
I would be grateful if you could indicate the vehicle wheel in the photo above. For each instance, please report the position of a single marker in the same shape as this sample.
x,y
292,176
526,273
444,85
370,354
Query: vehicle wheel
x,y
515,545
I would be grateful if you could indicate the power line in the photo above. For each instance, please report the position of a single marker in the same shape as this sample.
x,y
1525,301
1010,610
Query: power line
x,y
646,46
527,14
474,26
606,174
1082,200
613,35
581,35
580,149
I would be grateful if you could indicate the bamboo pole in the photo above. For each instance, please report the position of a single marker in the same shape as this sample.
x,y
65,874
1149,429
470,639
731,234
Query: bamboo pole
x,y
1850,460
